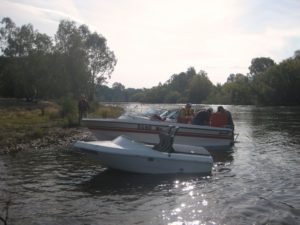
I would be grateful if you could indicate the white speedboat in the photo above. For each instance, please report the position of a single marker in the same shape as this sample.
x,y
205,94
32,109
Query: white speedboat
x,y
146,131
127,155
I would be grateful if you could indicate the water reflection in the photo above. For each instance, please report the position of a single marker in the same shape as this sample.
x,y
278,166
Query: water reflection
x,y
257,182
190,204
279,124
117,182
222,156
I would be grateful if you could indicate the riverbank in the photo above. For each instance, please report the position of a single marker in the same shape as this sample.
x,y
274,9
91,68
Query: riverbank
x,y
56,137
27,125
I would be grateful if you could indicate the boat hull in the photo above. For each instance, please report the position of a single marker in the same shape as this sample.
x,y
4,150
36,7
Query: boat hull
x,y
138,158
147,132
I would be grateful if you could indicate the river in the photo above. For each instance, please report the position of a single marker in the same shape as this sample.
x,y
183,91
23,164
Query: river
x,y
257,182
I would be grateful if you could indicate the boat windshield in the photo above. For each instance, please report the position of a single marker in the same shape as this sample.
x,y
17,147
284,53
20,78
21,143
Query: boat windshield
x,y
169,115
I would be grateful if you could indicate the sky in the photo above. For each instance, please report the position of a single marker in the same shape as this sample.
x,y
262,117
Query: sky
x,y
154,39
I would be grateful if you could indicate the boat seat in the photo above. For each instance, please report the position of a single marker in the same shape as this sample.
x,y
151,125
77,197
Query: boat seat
x,y
166,140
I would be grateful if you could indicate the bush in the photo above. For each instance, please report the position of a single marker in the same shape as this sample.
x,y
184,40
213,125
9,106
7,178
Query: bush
x,y
107,111
37,133
93,106
69,111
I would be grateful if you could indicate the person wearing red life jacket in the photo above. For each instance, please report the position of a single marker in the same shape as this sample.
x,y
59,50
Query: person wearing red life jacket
x,y
219,118
222,118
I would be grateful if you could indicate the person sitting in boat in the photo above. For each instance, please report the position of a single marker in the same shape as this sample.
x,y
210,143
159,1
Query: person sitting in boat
x,y
186,114
222,118
203,117
229,123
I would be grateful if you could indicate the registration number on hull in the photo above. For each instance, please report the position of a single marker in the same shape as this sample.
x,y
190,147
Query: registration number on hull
x,y
148,127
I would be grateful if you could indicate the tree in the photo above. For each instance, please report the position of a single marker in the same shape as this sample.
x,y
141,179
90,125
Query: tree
x,y
118,91
43,44
297,54
260,65
24,49
218,95
172,97
34,66
180,82
101,59
199,88
238,90
7,33
280,84
96,60
231,78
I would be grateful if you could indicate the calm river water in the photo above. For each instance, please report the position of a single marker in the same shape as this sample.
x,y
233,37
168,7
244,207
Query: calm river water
x,y
257,182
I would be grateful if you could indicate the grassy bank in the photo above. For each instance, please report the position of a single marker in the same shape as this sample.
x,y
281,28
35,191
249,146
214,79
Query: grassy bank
x,y
24,124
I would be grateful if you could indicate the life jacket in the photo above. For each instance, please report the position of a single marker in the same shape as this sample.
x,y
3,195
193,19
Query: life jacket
x,y
189,112
185,115
218,119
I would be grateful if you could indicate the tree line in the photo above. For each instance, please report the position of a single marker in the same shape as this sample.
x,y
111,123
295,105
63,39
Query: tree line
x,y
36,66
267,83
77,61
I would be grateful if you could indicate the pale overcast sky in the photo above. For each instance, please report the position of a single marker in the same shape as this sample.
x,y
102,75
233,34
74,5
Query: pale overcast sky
x,y
154,39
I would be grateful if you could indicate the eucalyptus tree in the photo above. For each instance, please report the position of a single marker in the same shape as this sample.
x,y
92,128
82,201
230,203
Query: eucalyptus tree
x,y
101,59
7,34
43,44
25,50
88,59
70,49
19,40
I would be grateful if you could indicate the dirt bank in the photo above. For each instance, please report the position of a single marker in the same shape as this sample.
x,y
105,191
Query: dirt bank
x,y
26,125
61,138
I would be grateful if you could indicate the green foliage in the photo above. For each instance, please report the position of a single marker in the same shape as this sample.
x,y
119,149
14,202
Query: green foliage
x,y
32,67
260,65
279,85
185,86
172,97
23,121
199,88
238,90
180,82
69,110
218,95
269,84
107,112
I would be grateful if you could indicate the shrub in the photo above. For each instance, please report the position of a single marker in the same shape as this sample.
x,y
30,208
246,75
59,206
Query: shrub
x,y
107,111
69,111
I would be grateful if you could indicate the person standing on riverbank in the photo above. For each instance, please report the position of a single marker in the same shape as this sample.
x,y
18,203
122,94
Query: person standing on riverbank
x,y
83,107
